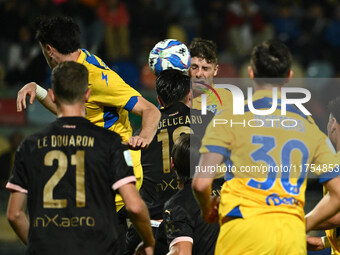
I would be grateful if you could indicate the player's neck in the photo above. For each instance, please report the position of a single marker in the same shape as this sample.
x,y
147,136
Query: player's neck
x,y
75,110
266,87
71,57
187,102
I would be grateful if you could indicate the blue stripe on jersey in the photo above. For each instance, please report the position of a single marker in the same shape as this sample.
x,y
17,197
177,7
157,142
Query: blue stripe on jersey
x,y
218,149
91,59
235,212
131,103
329,175
266,103
228,174
110,116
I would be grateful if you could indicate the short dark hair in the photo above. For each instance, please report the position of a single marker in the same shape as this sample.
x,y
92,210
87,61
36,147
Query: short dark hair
x,y
185,154
205,49
271,59
334,108
60,32
69,81
172,86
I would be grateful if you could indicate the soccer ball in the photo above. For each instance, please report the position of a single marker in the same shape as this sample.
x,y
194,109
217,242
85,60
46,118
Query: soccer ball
x,y
169,54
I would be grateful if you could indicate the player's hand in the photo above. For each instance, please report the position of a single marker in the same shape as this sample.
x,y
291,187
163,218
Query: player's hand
x,y
141,249
314,243
28,90
137,143
210,214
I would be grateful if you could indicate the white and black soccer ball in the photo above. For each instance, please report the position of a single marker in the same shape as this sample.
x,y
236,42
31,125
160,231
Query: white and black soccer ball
x,y
169,54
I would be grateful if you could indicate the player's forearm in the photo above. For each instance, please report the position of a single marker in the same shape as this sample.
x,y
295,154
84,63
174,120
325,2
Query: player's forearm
x,y
328,224
20,224
333,222
325,209
141,221
150,120
202,192
48,104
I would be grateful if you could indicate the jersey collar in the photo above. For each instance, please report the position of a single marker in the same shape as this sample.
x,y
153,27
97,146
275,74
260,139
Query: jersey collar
x,y
264,93
81,57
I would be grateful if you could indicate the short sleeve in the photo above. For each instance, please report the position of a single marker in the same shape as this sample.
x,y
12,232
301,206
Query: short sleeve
x,y
178,225
19,179
121,165
109,89
325,162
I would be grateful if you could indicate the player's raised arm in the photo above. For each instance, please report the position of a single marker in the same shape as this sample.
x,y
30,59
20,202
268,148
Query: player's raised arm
x,y
150,118
201,186
327,207
139,215
33,90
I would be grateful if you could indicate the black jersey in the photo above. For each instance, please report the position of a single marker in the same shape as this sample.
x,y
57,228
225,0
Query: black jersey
x,y
183,221
69,172
159,180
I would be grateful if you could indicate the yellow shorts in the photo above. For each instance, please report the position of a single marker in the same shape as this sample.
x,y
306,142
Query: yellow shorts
x,y
272,233
138,171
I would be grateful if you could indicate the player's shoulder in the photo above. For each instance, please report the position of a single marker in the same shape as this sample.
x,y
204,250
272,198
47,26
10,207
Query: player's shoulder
x,y
224,93
97,67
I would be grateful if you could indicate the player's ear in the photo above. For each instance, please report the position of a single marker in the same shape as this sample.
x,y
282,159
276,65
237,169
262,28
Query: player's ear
x,y
87,94
290,75
190,95
51,95
335,124
216,70
172,163
160,101
49,49
251,72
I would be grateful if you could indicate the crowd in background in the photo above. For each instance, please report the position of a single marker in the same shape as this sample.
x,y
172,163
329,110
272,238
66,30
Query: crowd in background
x,y
122,33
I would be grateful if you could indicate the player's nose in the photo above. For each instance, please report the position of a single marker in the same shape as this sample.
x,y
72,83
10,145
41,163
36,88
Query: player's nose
x,y
198,73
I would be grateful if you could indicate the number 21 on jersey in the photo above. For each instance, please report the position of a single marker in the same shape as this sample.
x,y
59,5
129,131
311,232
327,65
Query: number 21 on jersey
x,y
77,160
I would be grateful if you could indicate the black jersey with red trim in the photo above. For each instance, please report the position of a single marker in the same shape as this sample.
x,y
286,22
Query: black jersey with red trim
x,y
159,180
70,172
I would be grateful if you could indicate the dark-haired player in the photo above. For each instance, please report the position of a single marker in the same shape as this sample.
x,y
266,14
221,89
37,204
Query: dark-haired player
x,y
68,175
262,211
203,68
111,99
160,183
186,231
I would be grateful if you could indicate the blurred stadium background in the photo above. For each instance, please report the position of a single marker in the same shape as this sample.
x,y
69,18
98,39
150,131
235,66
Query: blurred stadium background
x,y
122,33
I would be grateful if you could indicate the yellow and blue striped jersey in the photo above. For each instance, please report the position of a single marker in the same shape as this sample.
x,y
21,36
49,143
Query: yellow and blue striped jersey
x,y
268,158
111,98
